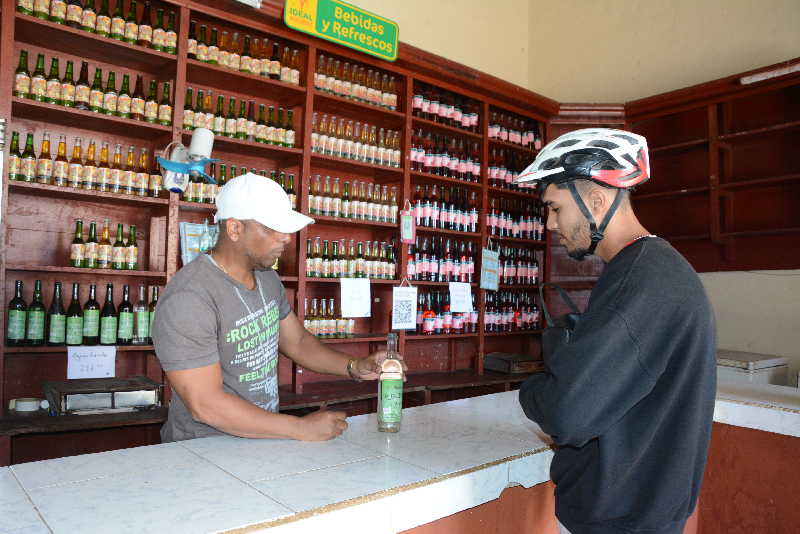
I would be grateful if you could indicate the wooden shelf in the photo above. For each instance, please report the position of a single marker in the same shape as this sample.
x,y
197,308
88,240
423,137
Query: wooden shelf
x,y
527,242
426,230
511,192
196,206
289,279
358,222
758,233
435,284
418,122
575,284
444,179
24,108
514,333
57,191
667,194
518,286
422,337
80,270
250,148
758,131
311,280
328,103
14,426
357,338
63,349
679,146
389,174
773,180
203,74
60,38
513,146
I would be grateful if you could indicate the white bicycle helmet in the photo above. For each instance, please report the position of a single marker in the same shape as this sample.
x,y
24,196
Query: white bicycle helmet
x,y
614,158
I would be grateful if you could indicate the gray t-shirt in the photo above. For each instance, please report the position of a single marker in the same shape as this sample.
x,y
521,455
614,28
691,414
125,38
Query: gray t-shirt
x,y
207,317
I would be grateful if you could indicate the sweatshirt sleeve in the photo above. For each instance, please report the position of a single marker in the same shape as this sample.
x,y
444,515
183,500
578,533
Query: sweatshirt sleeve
x,y
588,384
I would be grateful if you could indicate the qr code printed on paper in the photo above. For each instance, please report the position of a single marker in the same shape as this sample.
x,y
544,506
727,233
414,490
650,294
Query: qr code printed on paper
x,y
403,312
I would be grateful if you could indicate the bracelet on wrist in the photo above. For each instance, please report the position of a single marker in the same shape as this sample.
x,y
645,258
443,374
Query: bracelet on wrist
x,y
351,371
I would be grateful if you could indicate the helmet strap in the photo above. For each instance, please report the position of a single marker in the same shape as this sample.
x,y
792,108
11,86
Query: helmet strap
x,y
596,234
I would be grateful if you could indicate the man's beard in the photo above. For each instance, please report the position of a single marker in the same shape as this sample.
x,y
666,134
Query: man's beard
x,y
580,233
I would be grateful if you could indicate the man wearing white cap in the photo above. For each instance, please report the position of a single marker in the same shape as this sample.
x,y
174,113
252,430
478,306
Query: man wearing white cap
x,y
223,318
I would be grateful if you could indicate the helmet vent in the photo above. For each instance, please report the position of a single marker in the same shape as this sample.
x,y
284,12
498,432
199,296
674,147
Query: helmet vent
x,y
567,142
603,144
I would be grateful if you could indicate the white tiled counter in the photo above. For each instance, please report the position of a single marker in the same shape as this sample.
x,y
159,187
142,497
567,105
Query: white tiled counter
x,y
447,458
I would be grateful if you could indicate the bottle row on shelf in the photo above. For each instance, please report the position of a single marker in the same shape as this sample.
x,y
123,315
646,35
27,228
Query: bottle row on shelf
x,y
242,125
515,129
510,311
244,54
89,173
107,100
445,156
200,191
521,219
434,316
323,321
440,260
434,104
361,260
103,254
355,82
504,168
517,266
366,201
32,325
348,139
130,28
454,208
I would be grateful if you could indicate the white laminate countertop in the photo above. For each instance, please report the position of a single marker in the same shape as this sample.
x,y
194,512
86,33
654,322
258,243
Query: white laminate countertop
x,y
447,458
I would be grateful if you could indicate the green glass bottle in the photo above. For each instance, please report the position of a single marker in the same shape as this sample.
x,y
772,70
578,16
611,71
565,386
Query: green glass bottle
x,y
41,10
57,319
171,39
218,124
90,248
58,11
108,319
152,311
25,7
103,24
110,95
131,25
230,120
290,133
125,326
34,332
271,126
241,121
151,104
118,251
188,110
118,22
74,333
77,248
27,163
22,77
124,98
141,316
68,86
261,125
14,158
165,107
39,81
96,92
159,41
131,251
89,17
91,318
17,318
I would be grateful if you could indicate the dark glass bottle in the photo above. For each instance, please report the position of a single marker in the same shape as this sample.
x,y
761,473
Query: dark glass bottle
x,y
34,332
57,320
17,318
91,318
74,331
108,319
125,326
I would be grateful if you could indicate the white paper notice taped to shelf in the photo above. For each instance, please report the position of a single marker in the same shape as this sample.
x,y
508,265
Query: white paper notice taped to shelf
x,y
460,297
490,262
355,297
91,362
404,308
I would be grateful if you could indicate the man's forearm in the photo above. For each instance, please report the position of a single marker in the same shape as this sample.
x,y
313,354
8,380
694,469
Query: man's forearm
x,y
318,357
232,415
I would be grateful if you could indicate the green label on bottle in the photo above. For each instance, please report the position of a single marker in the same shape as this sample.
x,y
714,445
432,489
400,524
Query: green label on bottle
x,y
74,330
108,330
35,325
152,318
91,323
142,324
16,324
391,400
58,329
125,325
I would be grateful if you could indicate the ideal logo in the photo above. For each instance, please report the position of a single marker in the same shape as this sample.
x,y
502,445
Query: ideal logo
x,y
301,11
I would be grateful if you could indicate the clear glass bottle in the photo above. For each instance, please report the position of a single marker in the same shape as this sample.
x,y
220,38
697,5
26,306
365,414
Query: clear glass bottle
x,y
390,388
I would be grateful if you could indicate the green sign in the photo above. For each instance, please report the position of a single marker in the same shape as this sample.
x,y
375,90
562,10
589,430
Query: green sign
x,y
345,24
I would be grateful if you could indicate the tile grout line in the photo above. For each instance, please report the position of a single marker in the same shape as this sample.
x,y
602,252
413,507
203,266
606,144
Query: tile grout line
x,y
30,500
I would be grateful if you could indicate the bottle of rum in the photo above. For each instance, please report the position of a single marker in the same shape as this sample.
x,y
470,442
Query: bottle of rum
x,y
17,318
390,386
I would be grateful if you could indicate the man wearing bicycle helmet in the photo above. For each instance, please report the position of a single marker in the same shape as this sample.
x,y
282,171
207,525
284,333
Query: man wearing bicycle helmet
x,y
629,399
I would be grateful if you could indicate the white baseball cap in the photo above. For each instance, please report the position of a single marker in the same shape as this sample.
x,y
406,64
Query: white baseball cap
x,y
261,199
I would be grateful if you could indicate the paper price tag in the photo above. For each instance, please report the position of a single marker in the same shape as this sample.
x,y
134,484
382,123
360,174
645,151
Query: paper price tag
x,y
91,362
408,227
490,262
404,308
460,297
355,297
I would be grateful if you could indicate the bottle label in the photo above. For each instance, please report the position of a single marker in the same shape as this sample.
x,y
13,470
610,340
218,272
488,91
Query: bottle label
x,y
16,324
103,256
165,113
35,325
202,52
60,172
124,105
89,19
58,9
67,92
90,253
235,61
294,78
151,109
142,324
108,330
155,184
137,106
74,333
391,400
125,330
171,39
192,48
115,180
188,118
74,13
58,325
103,24
117,26
96,98
39,6
76,252
87,176
91,323
82,93
13,166
145,33
119,255
132,255
131,31
28,168
213,54
230,127
241,126
286,74
38,87
22,83
110,102
44,168
141,181
224,58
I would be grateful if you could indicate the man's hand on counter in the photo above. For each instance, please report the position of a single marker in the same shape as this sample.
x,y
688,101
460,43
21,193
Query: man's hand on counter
x,y
323,425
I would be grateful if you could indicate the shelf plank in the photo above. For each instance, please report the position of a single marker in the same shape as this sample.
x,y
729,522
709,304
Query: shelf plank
x,y
758,131
328,103
418,122
63,349
527,242
62,38
513,146
24,108
311,280
63,192
668,194
511,192
679,146
772,180
357,338
435,284
393,174
14,426
80,270
518,286
358,222
514,333
203,74
289,279
759,233
196,206
426,230
241,146
444,179
434,337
